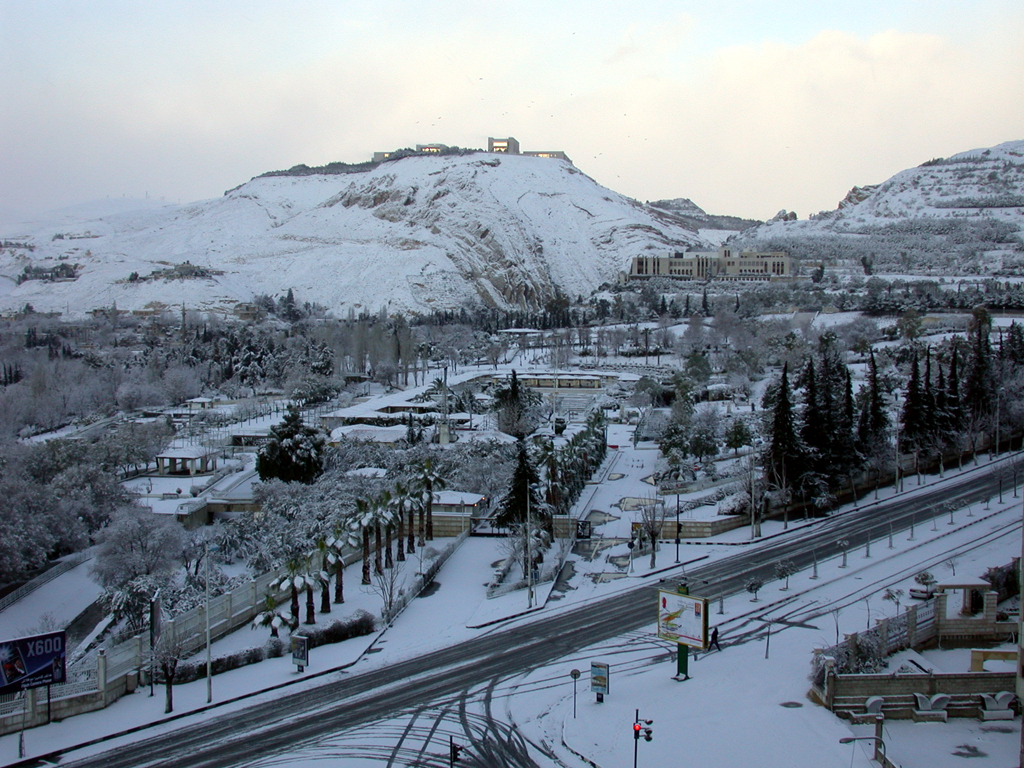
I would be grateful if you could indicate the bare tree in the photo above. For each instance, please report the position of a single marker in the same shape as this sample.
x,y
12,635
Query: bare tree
x,y
894,596
167,654
652,520
387,585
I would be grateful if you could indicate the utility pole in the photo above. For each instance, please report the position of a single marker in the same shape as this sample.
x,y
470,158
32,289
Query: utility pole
x,y
529,551
209,660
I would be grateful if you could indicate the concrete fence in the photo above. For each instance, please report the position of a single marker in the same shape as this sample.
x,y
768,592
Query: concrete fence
x,y
861,696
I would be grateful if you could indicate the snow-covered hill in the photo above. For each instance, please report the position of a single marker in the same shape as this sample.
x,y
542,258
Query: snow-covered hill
x,y
960,214
697,217
417,234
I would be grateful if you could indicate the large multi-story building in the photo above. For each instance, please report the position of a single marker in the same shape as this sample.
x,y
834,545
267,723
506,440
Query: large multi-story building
x,y
724,264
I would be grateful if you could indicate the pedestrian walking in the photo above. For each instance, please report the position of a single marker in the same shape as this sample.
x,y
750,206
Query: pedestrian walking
x,y
714,638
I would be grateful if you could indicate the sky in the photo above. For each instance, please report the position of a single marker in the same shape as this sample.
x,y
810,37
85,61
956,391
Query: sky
x,y
744,107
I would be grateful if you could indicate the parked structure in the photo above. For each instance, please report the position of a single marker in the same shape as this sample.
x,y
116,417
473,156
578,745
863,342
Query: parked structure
x,y
724,264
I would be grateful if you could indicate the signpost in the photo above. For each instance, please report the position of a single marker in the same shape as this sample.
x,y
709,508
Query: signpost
x,y
683,619
599,678
300,651
575,675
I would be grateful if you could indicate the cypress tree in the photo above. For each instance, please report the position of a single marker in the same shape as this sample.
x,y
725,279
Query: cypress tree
x,y
784,454
874,421
912,420
954,405
978,388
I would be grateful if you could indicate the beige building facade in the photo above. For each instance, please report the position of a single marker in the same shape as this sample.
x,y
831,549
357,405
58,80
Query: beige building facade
x,y
724,264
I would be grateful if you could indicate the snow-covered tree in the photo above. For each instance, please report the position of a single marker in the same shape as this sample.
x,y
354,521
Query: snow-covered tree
x,y
294,453
136,543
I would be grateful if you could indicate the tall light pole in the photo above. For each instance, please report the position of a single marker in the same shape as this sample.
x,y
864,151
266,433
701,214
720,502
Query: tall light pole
x,y
677,527
529,551
897,423
1020,651
209,659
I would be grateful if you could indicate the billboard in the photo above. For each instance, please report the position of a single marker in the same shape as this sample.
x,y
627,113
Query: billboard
x,y
599,677
300,651
32,662
683,619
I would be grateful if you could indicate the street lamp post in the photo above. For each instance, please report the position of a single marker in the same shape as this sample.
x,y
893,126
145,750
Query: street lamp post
x,y
529,551
753,510
677,529
209,659
896,488
877,738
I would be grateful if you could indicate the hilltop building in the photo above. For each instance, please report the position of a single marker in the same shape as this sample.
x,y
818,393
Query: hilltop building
x,y
506,146
510,146
724,264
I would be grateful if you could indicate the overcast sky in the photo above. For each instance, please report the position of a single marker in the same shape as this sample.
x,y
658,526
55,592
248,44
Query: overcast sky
x,y
743,106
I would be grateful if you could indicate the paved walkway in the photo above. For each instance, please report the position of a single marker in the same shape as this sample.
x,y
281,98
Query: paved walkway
x,y
53,605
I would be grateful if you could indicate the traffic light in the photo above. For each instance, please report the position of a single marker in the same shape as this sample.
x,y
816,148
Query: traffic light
x,y
640,729
456,750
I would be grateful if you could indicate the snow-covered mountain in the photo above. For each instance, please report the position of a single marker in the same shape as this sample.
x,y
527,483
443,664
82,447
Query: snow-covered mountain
x,y
417,234
960,214
698,218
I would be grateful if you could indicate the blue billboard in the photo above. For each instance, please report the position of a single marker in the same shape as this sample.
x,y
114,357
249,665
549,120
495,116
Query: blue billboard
x,y
32,662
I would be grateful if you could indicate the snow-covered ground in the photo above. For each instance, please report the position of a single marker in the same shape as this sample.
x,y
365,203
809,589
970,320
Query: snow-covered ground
x,y
738,708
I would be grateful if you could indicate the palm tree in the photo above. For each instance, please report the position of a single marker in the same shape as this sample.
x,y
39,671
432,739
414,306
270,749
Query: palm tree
x,y
334,556
384,526
292,581
361,523
425,482
402,502
272,616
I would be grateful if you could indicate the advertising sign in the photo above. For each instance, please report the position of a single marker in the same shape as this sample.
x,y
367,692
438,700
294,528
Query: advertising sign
x,y
599,677
583,529
32,662
300,651
683,619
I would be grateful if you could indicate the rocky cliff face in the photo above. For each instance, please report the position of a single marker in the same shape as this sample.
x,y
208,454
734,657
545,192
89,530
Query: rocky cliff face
x,y
417,234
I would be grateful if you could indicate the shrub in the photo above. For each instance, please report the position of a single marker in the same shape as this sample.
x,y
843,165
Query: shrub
x,y
358,624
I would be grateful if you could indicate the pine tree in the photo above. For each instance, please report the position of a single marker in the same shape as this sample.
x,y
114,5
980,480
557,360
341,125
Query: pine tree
x,y
294,453
513,508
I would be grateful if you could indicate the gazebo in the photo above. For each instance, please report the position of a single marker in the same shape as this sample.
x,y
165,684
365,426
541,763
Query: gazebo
x,y
190,460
